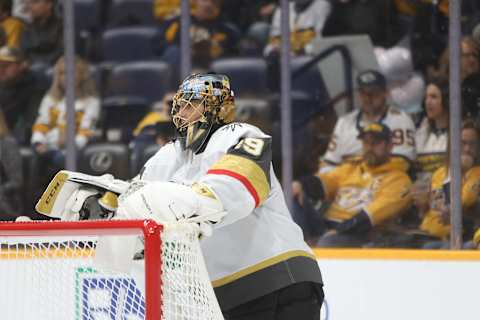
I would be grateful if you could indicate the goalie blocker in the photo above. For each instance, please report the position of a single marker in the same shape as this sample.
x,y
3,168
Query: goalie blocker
x,y
219,174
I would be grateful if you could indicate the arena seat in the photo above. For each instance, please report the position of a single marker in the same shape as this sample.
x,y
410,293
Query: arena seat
x,y
131,12
87,15
102,158
149,80
128,44
248,76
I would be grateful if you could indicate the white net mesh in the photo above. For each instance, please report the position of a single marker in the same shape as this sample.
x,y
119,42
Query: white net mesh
x,y
47,277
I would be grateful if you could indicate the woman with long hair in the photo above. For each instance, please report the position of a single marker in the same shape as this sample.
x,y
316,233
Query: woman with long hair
x,y
11,173
432,134
49,130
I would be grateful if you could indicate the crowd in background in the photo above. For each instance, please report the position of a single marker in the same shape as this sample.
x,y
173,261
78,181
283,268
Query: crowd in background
x,y
376,176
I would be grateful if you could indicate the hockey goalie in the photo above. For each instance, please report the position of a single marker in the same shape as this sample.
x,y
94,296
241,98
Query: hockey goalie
x,y
218,174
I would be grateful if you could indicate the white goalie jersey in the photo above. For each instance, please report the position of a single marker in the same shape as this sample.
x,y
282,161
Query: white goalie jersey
x,y
345,145
257,244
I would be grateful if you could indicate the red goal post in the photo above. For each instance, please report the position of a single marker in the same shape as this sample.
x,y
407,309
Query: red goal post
x,y
51,256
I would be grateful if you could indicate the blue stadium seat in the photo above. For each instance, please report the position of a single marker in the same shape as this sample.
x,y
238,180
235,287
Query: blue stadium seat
x,y
130,90
147,80
131,12
248,76
101,158
128,44
87,15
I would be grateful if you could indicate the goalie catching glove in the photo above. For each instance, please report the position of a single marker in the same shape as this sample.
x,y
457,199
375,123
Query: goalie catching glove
x,y
77,196
168,202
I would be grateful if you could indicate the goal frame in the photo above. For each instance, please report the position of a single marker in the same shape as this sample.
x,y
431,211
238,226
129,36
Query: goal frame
x,y
149,229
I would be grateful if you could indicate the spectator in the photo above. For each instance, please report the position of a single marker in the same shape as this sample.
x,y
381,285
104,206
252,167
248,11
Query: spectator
x,y
48,138
11,174
12,26
469,61
253,19
432,135
344,145
365,194
156,128
211,36
42,40
20,93
307,18
166,9
436,214
429,35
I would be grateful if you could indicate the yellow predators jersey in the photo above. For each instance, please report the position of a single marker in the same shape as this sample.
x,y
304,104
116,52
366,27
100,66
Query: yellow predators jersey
x,y
432,222
383,192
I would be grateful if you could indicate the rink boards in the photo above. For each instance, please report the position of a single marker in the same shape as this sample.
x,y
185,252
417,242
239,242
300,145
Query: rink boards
x,y
359,284
374,284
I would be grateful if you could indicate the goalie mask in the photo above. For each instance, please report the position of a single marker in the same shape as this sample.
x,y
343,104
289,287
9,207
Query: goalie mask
x,y
202,102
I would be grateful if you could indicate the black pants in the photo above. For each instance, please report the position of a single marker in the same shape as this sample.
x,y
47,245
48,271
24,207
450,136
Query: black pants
x,y
299,301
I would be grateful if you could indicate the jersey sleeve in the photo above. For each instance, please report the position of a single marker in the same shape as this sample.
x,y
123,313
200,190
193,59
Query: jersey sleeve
x,y
241,177
43,123
334,154
88,121
391,199
403,136
330,180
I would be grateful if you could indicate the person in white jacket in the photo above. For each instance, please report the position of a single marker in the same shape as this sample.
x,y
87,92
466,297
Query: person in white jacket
x,y
49,129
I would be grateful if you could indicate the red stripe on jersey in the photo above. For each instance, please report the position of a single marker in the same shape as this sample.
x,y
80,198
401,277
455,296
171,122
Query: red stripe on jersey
x,y
240,178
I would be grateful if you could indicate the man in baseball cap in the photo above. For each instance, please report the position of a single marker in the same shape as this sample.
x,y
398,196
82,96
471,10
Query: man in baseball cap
x,y
377,144
371,79
373,107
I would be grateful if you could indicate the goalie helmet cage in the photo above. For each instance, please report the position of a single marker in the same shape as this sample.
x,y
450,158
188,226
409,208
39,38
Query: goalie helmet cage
x,y
47,272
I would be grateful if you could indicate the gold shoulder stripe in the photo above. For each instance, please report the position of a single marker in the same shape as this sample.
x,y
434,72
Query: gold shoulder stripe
x,y
247,172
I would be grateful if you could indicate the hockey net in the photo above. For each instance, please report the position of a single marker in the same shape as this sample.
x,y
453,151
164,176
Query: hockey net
x,y
51,270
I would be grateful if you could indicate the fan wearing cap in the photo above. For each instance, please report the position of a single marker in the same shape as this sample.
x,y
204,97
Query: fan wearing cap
x,y
372,96
20,92
364,194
